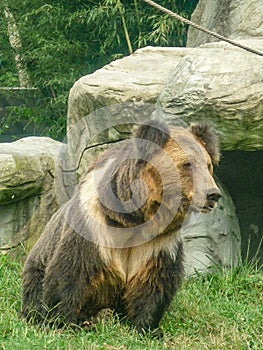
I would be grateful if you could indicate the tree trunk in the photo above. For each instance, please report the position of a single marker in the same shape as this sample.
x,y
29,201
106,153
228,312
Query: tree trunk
x,y
15,43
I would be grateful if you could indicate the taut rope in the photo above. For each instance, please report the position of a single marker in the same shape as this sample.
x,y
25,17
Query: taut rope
x,y
190,23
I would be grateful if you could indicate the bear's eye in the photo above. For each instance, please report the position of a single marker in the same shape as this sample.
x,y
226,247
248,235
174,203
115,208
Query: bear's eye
x,y
187,165
210,167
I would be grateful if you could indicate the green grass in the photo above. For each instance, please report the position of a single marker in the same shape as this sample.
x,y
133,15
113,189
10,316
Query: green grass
x,y
223,310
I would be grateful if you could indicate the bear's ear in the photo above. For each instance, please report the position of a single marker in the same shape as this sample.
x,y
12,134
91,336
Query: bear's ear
x,y
154,131
208,137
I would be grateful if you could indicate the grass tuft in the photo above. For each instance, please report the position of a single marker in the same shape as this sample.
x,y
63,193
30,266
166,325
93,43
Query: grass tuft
x,y
221,310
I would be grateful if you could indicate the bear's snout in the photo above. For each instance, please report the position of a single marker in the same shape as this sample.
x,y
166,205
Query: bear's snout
x,y
212,197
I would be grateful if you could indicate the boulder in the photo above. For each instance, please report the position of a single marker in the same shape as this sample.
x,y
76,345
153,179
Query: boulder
x,y
27,196
230,18
137,78
126,85
222,84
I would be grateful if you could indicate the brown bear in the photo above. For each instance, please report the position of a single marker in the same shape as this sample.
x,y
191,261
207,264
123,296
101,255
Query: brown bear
x,y
116,243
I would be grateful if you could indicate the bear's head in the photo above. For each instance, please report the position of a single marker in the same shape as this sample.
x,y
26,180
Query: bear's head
x,y
160,175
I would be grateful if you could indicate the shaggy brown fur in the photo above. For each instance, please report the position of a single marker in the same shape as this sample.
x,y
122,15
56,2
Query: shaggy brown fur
x,y
115,244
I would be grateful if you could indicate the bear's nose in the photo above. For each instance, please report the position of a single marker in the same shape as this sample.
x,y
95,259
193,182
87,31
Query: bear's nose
x,y
213,194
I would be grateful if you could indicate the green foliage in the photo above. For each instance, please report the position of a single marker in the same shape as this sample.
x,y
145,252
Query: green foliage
x,y
32,121
8,73
221,310
64,40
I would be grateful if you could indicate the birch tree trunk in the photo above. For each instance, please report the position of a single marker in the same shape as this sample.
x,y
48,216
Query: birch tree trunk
x,y
15,43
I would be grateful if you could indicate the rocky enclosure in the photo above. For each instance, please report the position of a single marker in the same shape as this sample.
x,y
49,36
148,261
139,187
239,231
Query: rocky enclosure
x,y
215,82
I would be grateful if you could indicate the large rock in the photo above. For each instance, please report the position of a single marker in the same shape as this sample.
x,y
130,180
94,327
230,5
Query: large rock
x,y
127,85
137,78
27,195
223,84
230,18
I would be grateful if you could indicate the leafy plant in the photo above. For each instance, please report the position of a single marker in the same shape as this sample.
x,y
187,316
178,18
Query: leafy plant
x,y
64,40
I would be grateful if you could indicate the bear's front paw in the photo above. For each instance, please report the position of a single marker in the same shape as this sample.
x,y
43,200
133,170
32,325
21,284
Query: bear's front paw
x,y
156,333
